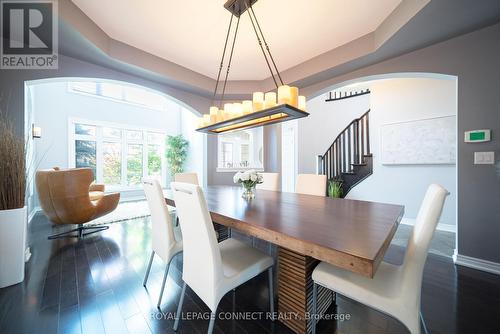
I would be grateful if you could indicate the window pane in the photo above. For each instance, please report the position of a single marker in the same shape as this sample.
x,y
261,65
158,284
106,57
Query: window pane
x,y
244,155
112,162
227,155
155,137
111,90
134,164
134,135
82,129
144,97
84,87
154,160
112,133
85,154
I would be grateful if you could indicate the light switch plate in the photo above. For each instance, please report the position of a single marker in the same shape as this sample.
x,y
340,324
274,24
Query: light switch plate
x,y
484,158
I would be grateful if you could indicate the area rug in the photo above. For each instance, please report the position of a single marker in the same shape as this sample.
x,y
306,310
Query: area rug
x,y
124,211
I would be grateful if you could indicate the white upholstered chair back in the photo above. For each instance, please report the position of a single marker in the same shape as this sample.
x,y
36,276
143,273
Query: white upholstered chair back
x,y
420,239
311,184
270,181
187,178
163,233
202,265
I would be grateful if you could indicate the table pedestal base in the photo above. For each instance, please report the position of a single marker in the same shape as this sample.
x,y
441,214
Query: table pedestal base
x,y
295,291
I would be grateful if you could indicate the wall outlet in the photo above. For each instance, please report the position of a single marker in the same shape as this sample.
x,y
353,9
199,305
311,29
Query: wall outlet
x,y
484,158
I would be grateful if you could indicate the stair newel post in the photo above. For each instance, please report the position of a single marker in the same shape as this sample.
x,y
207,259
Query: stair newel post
x,y
327,162
323,164
319,164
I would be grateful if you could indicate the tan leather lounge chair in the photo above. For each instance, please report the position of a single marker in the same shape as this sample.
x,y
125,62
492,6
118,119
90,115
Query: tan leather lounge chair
x,y
67,196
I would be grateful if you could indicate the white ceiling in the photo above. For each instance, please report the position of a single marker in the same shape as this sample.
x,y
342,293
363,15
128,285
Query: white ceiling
x,y
191,33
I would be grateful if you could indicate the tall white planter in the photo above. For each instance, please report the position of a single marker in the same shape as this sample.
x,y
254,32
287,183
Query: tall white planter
x,y
12,245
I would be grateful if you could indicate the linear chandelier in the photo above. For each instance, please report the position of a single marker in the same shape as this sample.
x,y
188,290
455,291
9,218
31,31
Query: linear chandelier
x,y
265,108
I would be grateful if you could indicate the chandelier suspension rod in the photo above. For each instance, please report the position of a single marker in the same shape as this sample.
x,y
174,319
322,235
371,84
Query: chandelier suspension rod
x,y
261,47
229,62
222,59
267,46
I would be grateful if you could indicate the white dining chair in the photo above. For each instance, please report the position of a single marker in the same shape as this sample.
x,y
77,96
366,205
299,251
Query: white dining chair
x,y
311,184
211,269
270,181
395,290
167,240
187,178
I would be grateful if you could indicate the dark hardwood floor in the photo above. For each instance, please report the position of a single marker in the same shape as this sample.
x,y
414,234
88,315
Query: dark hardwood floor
x,y
95,286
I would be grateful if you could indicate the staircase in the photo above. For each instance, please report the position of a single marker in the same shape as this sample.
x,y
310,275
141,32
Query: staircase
x,y
349,158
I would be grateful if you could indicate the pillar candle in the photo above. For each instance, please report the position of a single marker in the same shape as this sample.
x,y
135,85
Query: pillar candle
x,y
213,114
294,97
220,115
269,100
237,109
258,101
228,109
247,107
302,103
284,94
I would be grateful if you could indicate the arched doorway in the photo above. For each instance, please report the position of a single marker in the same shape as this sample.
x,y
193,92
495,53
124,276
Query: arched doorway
x,y
116,128
397,100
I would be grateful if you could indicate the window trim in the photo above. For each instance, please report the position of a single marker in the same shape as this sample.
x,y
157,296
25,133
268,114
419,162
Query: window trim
x,y
99,139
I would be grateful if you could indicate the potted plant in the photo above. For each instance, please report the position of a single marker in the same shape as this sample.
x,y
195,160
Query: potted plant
x,y
248,179
13,213
335,188
176,153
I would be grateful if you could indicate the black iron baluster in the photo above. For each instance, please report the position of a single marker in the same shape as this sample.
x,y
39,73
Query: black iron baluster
x,y
349,148
367,134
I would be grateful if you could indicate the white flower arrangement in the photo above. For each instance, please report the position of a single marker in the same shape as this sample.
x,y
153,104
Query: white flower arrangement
x,y
248,178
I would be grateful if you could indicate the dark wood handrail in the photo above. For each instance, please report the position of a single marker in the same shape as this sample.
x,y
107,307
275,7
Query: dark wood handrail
x,y
345,129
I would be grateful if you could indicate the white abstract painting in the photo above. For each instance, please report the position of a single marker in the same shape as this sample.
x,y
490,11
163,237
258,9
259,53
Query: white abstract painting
x,y
422,142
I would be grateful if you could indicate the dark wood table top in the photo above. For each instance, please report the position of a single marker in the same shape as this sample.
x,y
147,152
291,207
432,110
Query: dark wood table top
x,y
347,233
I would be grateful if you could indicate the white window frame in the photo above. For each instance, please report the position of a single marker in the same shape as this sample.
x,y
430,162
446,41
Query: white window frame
x,y
99,139
237,153
121,100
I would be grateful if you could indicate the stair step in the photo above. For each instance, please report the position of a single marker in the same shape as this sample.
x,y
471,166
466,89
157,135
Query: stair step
x,y
368,155
348,173
360,164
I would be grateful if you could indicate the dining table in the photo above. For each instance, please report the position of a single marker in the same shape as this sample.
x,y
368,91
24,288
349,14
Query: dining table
x,y
350,234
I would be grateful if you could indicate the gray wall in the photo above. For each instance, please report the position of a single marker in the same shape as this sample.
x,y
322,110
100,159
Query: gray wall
x,y
475,59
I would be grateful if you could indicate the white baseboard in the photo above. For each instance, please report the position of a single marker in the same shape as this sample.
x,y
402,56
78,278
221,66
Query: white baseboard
x,y
475,263
440,227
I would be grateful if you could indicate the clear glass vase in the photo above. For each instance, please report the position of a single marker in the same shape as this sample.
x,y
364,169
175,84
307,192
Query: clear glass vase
x,y
249,192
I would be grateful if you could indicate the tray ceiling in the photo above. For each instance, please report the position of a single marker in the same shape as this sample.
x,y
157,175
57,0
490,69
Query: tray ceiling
x,y
191,33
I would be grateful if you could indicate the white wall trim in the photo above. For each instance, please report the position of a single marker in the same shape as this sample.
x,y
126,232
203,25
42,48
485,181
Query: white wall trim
x,y
440,227
475,263
33,212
